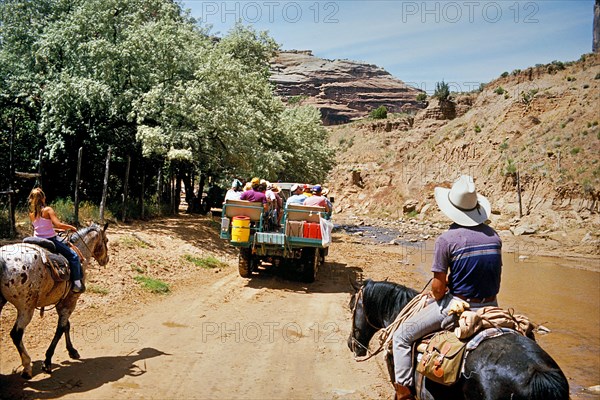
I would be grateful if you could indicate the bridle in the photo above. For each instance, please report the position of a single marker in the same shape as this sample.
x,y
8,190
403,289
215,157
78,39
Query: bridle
x,y
355,342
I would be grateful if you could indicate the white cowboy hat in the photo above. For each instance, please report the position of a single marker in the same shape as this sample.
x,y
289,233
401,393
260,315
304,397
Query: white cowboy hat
x,y
462,204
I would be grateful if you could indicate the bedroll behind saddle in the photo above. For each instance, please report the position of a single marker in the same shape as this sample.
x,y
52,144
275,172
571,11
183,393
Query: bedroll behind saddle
x,y
57,264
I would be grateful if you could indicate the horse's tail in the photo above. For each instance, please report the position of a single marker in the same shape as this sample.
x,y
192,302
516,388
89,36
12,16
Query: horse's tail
x,y
548,384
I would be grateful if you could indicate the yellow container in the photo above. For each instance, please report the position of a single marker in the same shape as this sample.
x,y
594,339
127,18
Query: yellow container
x,y
240,229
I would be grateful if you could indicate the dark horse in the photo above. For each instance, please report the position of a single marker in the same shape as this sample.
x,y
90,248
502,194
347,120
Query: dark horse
x,y
505,367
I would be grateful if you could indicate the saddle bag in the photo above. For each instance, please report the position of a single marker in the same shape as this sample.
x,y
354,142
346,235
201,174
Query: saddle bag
x,y
442,360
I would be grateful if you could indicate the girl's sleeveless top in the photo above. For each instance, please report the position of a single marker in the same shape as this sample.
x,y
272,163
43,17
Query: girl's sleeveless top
x,y
42,227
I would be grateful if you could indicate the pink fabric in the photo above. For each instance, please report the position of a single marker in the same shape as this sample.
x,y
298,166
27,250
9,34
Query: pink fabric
x,y
42,227
315,201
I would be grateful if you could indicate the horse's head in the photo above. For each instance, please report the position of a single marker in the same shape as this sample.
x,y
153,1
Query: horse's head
x,y
100,250
96,242
362,329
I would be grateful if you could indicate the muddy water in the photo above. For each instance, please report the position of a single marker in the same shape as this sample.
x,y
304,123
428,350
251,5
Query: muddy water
x,y
561,294
563,298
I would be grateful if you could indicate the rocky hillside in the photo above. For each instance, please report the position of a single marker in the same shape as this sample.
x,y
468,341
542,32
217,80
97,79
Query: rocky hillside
x,y
343,90
541,123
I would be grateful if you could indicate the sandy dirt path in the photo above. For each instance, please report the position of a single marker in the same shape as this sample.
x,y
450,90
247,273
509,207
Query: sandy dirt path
x,y
216,335
268,337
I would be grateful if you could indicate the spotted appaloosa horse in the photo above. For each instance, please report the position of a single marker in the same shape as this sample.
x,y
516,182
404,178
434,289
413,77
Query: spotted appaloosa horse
x,y
27,283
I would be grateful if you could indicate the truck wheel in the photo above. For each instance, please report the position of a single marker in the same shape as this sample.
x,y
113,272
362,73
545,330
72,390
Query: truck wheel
x,y
245,262
310,264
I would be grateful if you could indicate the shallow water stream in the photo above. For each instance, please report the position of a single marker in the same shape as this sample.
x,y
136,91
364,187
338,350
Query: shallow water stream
x,y
561,294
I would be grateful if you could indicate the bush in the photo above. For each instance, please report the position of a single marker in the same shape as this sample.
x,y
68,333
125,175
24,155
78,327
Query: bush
x,y
499,90
511,168
379,113
422,97
477,129
442,90
504,74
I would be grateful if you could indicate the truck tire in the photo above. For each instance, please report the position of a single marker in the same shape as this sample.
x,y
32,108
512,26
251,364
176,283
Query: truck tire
x,y
310,264
245,262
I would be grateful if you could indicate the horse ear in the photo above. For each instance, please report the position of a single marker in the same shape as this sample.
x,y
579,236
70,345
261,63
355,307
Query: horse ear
x,y
105,226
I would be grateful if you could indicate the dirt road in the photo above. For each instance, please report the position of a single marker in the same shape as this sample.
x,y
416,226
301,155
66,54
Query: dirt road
x,y
215,336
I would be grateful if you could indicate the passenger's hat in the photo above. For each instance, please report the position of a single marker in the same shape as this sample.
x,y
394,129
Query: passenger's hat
x,y
462,204
294,187
316,189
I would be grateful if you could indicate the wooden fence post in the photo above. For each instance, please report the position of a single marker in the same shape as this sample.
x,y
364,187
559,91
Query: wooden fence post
x,y
125,184
77,182
105,189
519,192
11,177
159,189
39,178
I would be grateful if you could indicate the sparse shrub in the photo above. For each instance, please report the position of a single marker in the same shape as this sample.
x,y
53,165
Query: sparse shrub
x,y
584,133
575,151
499,90
97,289
527,97
516,72
206,263
504,145
506,95
504,74
477,129
562,126
422,97
379,113
442,91
510,169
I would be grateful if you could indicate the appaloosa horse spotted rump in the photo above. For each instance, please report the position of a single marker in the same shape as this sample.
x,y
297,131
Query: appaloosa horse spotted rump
x,y
27,283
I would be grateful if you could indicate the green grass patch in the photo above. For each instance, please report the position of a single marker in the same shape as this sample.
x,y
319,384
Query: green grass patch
x,y
209,262
152,285
131,242
97,289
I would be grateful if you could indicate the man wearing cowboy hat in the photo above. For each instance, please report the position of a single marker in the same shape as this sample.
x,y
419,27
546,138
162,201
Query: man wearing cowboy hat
x,y
467,263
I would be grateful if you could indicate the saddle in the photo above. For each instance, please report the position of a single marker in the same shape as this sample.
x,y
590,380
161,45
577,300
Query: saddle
x,y
56,263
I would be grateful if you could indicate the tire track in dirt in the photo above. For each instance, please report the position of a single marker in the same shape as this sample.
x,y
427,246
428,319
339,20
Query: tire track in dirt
x,y
234,338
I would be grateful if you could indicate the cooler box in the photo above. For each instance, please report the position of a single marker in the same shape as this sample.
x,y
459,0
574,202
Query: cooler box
x,y
312,230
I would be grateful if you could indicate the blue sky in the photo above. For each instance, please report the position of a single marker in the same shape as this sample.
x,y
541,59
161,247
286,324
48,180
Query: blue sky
x,y
464,43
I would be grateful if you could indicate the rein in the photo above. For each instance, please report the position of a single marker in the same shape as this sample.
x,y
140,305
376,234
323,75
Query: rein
x,y
419,302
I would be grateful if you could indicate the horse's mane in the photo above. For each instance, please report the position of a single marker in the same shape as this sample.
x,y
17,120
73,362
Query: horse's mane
x,y
385,299
82,232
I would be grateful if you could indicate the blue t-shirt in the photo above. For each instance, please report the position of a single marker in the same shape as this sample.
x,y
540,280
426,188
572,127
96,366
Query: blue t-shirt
x,y
296,199
474,257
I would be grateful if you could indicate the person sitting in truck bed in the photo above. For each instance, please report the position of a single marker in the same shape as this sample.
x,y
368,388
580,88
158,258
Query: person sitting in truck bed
x,y
257,194
235,192
297,196
317,199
